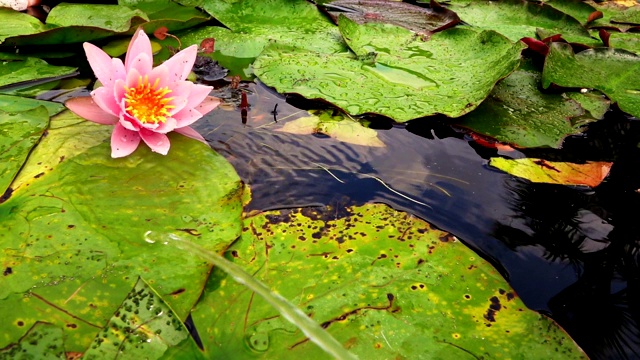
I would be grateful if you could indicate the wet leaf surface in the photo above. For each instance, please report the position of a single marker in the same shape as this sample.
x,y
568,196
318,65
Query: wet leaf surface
x,y
338,127
384,283
18,70
71,253
614,72
19,132
254,24
415,18
553,172
517,19
143,327
518,113
43,341
405,77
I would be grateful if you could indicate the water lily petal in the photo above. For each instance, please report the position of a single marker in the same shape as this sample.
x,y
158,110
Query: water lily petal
x,y
143,63
178,103
85,107
119,72
208,104
189,132
103,97
119,89
157,142
198,94
129,123
123,141
160,73
187,117
140,44
167,126
133,78
181,63
100,63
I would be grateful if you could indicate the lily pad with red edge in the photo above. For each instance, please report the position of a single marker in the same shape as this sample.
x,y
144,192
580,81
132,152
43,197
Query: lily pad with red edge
x,y
384,283
518,113
614,72
553,172
517,19
71,253
421,20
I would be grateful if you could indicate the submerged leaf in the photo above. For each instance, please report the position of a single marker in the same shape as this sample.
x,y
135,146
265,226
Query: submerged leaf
x,y
22,70
384,283
338,127
450,74
614,72
552,172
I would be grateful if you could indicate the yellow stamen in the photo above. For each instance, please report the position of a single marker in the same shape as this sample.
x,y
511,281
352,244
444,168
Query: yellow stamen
x,y
148,103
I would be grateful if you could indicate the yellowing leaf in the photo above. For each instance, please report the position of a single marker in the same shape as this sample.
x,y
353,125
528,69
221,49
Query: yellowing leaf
x,y
542,171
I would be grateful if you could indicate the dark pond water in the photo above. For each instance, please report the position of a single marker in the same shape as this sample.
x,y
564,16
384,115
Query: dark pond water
x,y
569,252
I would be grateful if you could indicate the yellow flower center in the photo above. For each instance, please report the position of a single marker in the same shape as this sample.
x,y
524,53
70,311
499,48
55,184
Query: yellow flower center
x,y
148,103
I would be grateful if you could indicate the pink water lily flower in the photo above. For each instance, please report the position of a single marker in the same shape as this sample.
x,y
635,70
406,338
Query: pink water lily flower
x,y
144,102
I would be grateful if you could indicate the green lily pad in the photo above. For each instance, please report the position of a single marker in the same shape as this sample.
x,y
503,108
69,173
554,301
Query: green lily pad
x,y
71,23
338,127
578,9
17,103
15,71
167,13
43,341
626,41
20,131
143,327
16,23
590,174
71,253
614,72
615,13
383,283
517,19
517,113
256,23
396,74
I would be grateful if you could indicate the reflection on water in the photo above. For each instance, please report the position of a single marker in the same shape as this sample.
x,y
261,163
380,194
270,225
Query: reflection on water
x,y
570,252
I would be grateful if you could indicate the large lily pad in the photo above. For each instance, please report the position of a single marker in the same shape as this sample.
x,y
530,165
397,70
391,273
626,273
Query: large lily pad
x,y
385,284
517,19
397,74
19,132
16,103
71,253
517,112
614,72
415,18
